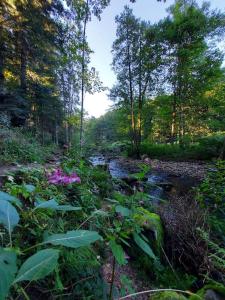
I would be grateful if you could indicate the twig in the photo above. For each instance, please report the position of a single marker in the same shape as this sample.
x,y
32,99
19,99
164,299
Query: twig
x,y
157,291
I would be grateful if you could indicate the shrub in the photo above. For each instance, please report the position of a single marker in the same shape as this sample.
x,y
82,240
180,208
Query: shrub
x,y
17,146
211,196
184,246
205,148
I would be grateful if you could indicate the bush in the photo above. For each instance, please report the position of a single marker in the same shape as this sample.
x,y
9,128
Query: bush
x,y
211,196
182,217
206,148
21,147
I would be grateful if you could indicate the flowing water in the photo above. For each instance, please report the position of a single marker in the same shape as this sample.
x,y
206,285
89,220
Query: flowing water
x,y
120,170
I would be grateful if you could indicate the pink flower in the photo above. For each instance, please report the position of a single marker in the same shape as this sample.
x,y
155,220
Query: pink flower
x,y
58,177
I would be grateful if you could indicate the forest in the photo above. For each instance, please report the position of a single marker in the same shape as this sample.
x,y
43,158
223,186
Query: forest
x,y
128,205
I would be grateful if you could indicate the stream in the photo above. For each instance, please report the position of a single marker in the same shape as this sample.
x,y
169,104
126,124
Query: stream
x,y
158,184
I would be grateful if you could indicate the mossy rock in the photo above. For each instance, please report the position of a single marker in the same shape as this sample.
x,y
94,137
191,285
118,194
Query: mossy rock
x,y
169,295
216,290
150,221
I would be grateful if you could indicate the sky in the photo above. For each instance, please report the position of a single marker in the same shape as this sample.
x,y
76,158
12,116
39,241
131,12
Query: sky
x,y
101,34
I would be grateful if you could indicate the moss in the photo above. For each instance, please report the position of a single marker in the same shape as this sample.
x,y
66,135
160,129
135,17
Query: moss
x,y
217,287
169,295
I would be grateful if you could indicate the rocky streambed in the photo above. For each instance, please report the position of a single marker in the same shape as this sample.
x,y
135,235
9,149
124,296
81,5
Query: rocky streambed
x,y
162,179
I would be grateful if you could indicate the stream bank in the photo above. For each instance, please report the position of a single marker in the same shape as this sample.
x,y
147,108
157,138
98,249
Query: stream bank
x,y
164,177
168,185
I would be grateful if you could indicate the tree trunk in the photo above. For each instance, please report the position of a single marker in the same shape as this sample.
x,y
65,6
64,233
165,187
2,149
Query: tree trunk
x,y
82,77
2,54
222,152
174,117
23,66
140,97
56,134
133,125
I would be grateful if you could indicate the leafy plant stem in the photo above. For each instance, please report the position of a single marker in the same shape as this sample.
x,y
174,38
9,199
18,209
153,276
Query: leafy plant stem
x,y
112,279
32,247
158,291
26,297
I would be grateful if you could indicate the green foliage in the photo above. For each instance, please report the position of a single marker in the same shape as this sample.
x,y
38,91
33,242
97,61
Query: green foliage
x,y
212,286
9,216
8,269
170,295
16,147
33,221
6,197
197,150
174,279
127,286
216,256
143,245
38,265
54,205
211,195
125,212
73,239
118,252
150,221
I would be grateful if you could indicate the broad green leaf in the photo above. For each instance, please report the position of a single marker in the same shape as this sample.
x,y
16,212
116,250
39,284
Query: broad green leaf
x,y
8,269
38,265
9,216
7,197
143,245
118,252
73,239
53,204
125,212
150,221
30,188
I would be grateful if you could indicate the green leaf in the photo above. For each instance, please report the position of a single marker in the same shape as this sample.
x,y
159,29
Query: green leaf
x,y
73,239
125,212
7,197
53,204
143,245
30,188
68,208
150,221
100,212
8,270
118,252
9,216
38,265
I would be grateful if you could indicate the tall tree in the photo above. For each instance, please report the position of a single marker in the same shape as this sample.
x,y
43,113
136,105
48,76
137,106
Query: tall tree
x,y
192,64
136,58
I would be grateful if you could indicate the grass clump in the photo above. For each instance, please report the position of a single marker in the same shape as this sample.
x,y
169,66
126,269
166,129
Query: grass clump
x,y
17,146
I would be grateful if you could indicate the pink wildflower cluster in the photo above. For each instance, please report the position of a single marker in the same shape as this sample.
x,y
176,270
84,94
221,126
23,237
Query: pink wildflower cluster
x,y
58,177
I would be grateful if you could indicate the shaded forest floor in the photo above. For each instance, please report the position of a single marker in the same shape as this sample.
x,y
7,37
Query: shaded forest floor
x,y
195,171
